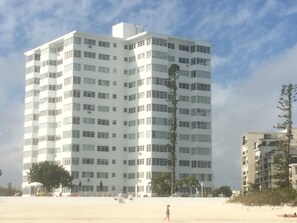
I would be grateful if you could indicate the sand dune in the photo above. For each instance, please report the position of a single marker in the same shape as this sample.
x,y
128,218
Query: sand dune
x,y
106,209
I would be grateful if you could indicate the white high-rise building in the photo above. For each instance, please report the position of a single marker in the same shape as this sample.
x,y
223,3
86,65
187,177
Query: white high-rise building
x,y
98,106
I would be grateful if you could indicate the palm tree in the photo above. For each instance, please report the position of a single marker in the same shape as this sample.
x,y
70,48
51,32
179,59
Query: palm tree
x,y
190,182
193,182
160,184
177,185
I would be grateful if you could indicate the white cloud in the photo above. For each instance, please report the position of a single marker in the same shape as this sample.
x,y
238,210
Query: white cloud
x,y
241,16
268,7
160,16
217,61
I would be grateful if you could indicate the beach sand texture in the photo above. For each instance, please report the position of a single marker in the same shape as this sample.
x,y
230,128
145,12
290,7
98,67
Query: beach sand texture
x,y
106,209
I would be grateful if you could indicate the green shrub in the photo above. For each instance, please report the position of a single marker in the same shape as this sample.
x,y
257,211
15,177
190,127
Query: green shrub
x,y
275,197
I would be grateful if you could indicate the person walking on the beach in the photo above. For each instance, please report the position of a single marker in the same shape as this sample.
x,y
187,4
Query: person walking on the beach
x,y
167,213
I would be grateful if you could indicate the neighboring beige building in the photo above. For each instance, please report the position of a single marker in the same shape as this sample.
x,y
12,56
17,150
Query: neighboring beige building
x,y
257,152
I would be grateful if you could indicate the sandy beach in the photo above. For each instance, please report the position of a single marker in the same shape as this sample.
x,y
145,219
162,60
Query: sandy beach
x,y
106,209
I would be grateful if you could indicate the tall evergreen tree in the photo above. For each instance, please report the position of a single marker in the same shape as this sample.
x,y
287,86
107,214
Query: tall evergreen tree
x,y
283,154
172,87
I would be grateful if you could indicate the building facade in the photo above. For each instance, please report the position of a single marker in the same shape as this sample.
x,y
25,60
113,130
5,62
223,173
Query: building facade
x,y
257,160
98,105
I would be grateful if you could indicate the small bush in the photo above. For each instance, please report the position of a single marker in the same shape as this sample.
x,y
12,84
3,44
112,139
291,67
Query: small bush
x,y
275,197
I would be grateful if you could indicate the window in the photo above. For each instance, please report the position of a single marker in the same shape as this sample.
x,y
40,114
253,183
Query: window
x,y
105,70
76,120
184,163
89,94
102,148
184,98
184,124
88,107
132,46
77,53
171,45
200,61
103,135
89,55
102,175
159,68
103,95
200,99
131,162
103,82
200,138
77,40
90,42
68,54
183,47
102,161
184,149
85,174
140,56
91,81
89,67
87,160
101,108
132,59
132,123
88,134
75,161
141,43
88,120
184,111
103,122
184,86
132,84
171,58
76,80
200,112
201,125
103,56
159,55
184,73
76,67
103,44
183,60
132,97
132,110
200,87
159,41
200,49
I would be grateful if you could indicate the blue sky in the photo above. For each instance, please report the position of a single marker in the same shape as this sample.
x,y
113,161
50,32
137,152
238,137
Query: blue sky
x,y
254,52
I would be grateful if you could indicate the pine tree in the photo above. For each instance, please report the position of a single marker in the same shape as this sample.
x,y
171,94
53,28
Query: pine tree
x,y
172,87
282,154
